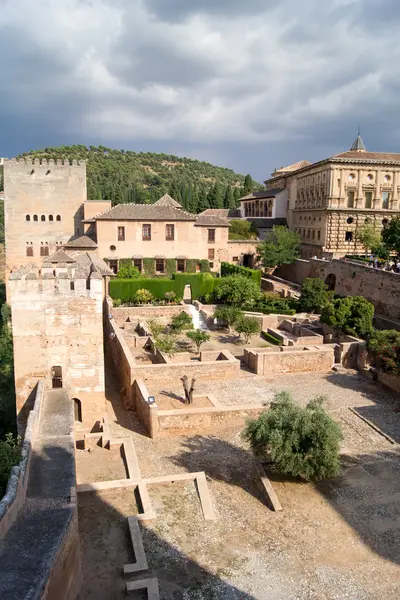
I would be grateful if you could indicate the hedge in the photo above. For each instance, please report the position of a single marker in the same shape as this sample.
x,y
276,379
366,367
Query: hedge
x,y
125,289
230,269
269,311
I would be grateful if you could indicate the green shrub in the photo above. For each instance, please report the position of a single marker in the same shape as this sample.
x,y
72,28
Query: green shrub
x,y
227,315
166,343
128,272
247,326
181,322
198,337
10,455
170,266
149,267
301,442
143,296
314,295
231,269
236,290
241,230
271,338
352,315
155,327
170,296
204,266
191,265
117,302
385,344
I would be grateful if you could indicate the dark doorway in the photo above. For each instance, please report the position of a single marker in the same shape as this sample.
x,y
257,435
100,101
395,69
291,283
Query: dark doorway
x,y
248,260
331,282
56,376
77,409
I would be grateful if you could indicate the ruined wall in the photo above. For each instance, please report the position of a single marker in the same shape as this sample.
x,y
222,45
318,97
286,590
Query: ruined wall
x,y
291,360
43,207
138,314
54,325
382,288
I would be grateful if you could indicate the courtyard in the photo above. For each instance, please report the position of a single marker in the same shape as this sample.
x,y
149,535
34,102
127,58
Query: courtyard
x,y
334,540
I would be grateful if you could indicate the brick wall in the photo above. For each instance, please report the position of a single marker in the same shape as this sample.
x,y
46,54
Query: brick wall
x,y
141,313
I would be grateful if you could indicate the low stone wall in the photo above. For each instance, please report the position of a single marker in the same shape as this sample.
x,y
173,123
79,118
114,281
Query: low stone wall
x,y
186,420
227,367
291,360
141,313
146,413
118,351
14,498
389,380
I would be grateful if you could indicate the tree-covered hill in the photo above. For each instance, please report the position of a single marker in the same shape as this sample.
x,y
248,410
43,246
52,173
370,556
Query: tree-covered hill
x,y
126,176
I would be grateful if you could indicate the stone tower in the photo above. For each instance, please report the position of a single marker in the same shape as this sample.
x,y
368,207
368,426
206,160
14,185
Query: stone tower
x,y
43,208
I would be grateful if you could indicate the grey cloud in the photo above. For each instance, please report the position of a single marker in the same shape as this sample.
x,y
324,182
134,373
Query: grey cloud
x,y
172,10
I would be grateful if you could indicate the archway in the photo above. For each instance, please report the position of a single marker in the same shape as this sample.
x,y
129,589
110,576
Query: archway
x,y
77,410
56,377
330,281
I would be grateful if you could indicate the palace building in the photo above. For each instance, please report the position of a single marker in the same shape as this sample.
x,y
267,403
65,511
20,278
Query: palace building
x,y
329,201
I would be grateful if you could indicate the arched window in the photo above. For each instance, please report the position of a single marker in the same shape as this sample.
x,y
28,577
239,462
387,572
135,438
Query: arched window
x,y
27,217
51,218
58,218
43,218
77,409
35,217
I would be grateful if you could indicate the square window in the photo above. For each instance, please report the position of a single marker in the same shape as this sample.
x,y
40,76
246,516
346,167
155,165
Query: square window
x,y
211,253
319,235
180,265
368,199
121,234
385,199
211,236
113,264
211,265
170,232
160,265
29,251
350,199
235,259
349,236
146,232
137,262
44,251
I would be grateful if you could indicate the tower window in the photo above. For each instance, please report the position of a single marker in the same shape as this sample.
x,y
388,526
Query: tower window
x,y
51,218
349,236
58,218
44,251
29,251
27,217
42,218
35,217
121,234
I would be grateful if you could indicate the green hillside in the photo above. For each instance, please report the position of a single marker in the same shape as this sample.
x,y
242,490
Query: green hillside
x,y
126,176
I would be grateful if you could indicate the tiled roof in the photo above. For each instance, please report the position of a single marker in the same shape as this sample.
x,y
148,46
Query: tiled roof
x,y
225,213
145,212
166,200
368,156
89,262
58,257
211,221
82,241
293,167
261,195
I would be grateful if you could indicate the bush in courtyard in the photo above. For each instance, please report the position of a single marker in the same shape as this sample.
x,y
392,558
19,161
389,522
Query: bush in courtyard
x,y
198,337
143,296
352,315
128,272
227,315
117,302
166,343
181,322
170,296
10,455
314,295
237,290
231,269
300,442
155,327
385,345
242,230
247,326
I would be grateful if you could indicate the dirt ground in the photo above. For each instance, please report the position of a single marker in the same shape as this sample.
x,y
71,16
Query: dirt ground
x,y
332,541
176,401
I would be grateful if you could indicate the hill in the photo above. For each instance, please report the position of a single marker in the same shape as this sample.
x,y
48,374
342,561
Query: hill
x,y
126,176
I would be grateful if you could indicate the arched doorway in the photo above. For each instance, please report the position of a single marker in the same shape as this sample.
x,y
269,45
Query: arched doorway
x,y
77,410
56,377
330,281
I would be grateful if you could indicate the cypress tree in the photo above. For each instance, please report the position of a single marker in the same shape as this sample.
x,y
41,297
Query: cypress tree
x,y
248,185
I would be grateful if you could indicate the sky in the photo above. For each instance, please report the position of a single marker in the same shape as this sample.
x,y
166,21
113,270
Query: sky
x,y
252,85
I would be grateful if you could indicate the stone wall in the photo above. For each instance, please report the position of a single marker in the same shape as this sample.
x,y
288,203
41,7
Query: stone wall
x,y
54,325
195,419
291,360
119,355
146,413
137,314
382,288
14,498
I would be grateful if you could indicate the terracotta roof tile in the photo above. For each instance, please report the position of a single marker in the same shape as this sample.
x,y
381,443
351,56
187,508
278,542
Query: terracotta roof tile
x,y
145,212
82,241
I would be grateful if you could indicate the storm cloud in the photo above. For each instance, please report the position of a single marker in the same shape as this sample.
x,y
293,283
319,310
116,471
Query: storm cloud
x,y
249,85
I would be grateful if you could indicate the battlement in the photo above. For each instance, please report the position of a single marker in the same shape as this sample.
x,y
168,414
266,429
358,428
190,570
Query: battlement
x,y
43,163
